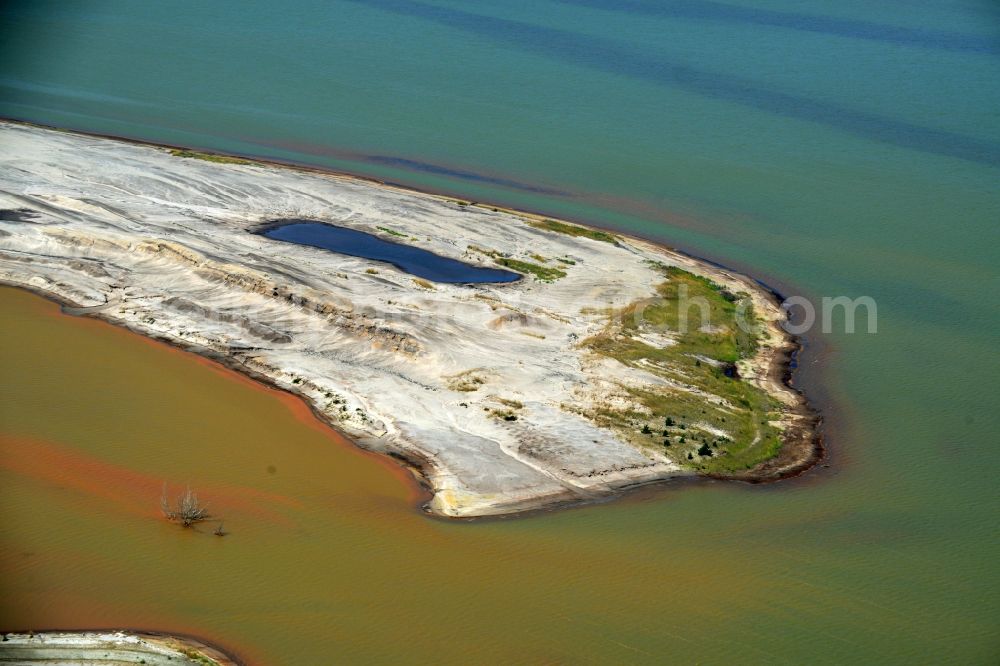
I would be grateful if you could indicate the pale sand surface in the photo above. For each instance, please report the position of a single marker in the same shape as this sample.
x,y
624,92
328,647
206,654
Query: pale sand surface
x,y
107,648
160,244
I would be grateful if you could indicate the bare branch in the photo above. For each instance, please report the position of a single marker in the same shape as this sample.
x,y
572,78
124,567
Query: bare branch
x,y
187,511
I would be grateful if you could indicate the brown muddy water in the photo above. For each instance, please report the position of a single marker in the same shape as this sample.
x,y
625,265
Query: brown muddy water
x,y
329,559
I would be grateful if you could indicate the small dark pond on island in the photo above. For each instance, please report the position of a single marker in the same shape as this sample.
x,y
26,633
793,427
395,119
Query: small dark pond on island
x,y
412,260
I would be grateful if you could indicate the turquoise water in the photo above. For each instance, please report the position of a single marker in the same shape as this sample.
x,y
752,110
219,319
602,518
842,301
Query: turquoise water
x,y
830,149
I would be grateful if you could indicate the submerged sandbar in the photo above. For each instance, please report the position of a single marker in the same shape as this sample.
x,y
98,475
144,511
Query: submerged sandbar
x,y
569,384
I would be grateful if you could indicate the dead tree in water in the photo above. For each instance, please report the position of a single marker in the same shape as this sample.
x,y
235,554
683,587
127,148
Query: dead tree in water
x,y
187,510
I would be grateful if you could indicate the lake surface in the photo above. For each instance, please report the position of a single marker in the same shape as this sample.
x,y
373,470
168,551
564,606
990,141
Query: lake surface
x,y
828,148
407,258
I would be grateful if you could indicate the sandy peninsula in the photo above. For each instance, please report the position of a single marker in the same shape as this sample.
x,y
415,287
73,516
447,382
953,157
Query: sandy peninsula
x,y
568,385
108,647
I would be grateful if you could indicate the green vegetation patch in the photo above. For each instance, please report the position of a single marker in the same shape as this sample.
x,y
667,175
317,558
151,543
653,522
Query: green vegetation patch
x,y
208,157
705,311
686,422
573,230
391,232
543,273
198,657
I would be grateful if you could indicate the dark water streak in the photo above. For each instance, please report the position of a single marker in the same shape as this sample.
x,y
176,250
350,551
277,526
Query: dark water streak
x,y
706,10
610,56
